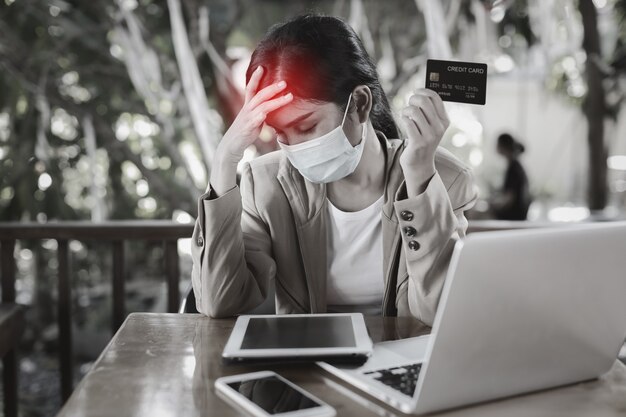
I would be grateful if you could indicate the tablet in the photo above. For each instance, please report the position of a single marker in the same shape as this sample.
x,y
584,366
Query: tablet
x,y
302,337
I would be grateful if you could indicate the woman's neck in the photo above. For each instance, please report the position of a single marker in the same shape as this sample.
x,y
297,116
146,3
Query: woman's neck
x,y
369,175
371,168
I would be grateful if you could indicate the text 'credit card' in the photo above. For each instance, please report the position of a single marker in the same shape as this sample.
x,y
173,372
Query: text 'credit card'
x,y
462,82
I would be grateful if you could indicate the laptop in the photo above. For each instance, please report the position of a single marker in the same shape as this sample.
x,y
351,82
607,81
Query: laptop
x,y
520,311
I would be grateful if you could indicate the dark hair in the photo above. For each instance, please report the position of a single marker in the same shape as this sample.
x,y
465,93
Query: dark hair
x,y
507,142
322,59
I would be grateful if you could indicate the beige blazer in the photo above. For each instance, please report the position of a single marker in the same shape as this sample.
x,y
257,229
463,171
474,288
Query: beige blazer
x,y
273,227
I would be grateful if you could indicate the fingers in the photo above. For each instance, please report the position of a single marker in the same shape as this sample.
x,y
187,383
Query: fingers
x,y
411,127
253,83
274,104
258,115
258,119
267,93
438,103
415,115
426,105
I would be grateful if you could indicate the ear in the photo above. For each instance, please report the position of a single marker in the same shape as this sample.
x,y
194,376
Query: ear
x,y
362,98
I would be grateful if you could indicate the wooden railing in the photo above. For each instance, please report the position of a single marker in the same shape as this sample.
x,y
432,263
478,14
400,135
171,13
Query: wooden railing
x,y
115,232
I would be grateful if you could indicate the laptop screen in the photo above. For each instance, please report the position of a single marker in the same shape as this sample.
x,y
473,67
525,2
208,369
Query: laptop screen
x,y
283,332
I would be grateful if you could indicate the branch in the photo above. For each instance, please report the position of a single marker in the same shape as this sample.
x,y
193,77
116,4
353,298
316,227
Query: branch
x,y
437,39
192,85
358,20
170,192
98,210
226,87
143,67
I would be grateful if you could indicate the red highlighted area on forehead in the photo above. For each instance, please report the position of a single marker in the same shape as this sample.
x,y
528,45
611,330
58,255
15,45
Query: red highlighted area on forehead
x,y
298,67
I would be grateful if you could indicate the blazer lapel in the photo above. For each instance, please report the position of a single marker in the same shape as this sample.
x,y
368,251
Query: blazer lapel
x,y
391,232
306,200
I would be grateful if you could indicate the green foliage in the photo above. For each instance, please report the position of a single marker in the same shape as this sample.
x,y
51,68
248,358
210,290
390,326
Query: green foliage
x,y
58,62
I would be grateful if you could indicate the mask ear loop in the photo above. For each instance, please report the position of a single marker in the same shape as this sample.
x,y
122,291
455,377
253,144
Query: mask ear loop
x,y
346,112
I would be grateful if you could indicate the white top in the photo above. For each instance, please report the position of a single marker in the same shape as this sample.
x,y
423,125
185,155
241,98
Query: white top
x,y
355,260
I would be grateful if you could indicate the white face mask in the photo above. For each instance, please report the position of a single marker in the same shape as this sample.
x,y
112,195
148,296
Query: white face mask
x,y
326,158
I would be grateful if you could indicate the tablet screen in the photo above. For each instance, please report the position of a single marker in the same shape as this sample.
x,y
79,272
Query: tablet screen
x,y
298,332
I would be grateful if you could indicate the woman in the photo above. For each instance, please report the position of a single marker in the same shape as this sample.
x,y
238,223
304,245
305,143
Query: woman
x,y
514,198
341,217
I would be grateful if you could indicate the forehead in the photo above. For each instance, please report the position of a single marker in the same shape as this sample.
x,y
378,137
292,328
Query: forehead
x,y
297,108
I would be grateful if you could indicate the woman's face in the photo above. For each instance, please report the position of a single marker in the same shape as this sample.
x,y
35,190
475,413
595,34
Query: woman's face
x,y
302,120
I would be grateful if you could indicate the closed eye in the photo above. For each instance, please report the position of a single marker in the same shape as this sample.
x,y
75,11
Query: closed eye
x,y
305,130
299,130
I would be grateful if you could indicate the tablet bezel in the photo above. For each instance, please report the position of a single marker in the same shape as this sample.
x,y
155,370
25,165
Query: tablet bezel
x,y
233,350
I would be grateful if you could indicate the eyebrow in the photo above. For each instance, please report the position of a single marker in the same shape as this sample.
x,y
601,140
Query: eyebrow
x,y
298,119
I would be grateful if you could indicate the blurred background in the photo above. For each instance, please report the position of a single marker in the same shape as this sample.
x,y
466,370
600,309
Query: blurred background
x,y
111,110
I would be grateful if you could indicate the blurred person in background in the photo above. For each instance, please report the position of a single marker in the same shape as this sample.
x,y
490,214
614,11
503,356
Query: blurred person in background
x,y
345,217
513,199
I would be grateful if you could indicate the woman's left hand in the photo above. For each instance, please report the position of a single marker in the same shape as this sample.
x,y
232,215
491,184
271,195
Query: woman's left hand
x,y
426,121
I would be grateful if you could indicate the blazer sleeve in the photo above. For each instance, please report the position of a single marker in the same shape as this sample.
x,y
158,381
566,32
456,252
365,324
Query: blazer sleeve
x,y
438,216
231,252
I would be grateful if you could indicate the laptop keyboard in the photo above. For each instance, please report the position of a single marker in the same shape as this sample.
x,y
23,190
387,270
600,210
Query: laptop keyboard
x,y
400,378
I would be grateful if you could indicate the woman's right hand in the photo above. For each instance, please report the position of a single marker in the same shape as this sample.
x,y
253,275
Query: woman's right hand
x,y
247,125
244,130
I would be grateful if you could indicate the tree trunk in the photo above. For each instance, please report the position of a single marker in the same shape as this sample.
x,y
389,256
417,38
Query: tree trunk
x,y
594,108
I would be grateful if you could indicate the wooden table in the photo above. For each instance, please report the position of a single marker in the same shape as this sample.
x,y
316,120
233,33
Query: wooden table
x,y
165,365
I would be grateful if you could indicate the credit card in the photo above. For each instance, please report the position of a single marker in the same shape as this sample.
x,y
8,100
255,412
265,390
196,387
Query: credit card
x,y
462,82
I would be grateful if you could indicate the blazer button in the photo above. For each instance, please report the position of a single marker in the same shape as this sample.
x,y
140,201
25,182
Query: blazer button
x,y
200,241
406,215
410,231
414,245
